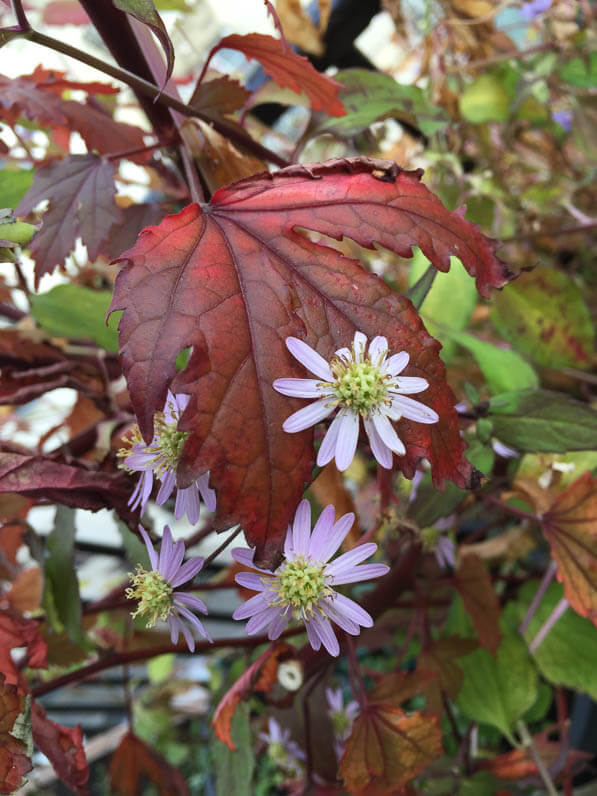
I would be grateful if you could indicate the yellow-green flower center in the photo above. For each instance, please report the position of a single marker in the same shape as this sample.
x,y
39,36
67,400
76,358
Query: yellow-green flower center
x,y
154,595
300,584
360,386
166,445
340,722
429,538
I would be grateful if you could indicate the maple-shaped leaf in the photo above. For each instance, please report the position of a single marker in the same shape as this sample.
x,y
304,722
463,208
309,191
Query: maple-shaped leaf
x,y
38,97
260,676
16,631
286,68
81,191
480,600
135,761
387,748
14,762
219,96
234,278
570,526
63,746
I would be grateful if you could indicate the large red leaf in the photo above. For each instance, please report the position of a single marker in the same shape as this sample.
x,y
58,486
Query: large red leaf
x,y
14,763
38,97
81,192
287,69
570,526
134,761
234,278
63,746
15,631
388,748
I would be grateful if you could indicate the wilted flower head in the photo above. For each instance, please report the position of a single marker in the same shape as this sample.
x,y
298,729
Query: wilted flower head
x,y
342,717
160,458
302,586
286,753
359,383
155,590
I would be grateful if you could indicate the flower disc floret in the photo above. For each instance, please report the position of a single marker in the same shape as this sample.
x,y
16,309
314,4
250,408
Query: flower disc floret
x,y
360,386
153,593
300,584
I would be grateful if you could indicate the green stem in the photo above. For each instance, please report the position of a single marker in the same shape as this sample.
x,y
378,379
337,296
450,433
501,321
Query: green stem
x,y
527,742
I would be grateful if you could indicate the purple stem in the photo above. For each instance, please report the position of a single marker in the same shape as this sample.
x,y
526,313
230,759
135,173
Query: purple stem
x,y
547,579
549,623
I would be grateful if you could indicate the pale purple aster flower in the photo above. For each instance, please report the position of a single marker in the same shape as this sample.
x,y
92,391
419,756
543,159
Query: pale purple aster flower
x,y
160,458
435,540
155,590
302,586
533,8
360,383
342,717
563,118
285,752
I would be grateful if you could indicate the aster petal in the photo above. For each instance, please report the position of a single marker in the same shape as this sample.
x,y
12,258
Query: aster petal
x,y
172,564
396,363
181,628
344,353
142,491
176,626
277,627
359,344
327,448
414,410
301,528
388,434
324,630
260,621
352,611
361,573
190,601
167,487
328,543
187,502
408,385
300,388
245,555
347,561
321,531
346,444
379,449
308,416
313,636
249,580
333,612
335,699
153,556
187,571
166,549
140,460
254,605
378,348
194,621
208,494
309,358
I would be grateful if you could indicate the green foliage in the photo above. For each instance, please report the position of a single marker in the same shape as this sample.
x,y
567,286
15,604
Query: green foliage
x,y
234,770
14,184
77,312
486,99
581,72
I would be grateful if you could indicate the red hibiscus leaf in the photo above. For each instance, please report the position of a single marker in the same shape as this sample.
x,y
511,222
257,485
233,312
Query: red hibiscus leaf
x,y
260,676
233,279
81,192
14,762
16,631
134,761
49,477
570,526
480,601
38,97
387,748
63,746
287,69
146,12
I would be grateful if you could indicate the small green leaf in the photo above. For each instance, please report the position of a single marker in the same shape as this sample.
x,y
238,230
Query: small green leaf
x,y
540,420
498,690
567,655
581,72
487,99
17,232
480,784
61,585
544,316
160,668
502,368
234,770
14,184
77,313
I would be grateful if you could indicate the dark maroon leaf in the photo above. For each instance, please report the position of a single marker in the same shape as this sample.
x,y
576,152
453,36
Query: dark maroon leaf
x,y
134,761
63,746
16,631
146,12
81,192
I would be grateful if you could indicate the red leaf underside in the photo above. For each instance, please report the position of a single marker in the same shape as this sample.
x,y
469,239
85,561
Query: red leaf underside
x,y
233,279
63,746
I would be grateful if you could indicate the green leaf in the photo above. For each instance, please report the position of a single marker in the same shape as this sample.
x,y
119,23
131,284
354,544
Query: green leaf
x,y
160,668
480,784
502,368
567,655
234,770
581,72
61,586
371,97
540,420
538,711
77,312
544,316
450,301
486,99
14,184
498,690
17,232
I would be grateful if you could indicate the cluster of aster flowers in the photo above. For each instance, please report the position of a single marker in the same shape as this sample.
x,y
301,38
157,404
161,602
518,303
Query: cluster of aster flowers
x,y
361,382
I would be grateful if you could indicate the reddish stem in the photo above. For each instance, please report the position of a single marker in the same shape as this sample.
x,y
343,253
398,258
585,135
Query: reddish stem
x,y
508,509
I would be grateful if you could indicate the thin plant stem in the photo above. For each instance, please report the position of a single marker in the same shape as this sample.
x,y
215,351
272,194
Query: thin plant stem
x,y
506,507
547,579
528,743
556,614
354,667
223,546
